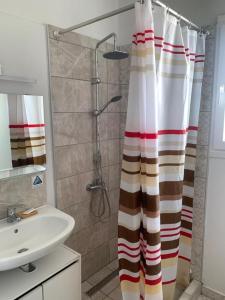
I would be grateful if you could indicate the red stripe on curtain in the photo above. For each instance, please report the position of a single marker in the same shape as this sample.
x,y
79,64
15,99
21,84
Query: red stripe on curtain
x,y
26,125
185,258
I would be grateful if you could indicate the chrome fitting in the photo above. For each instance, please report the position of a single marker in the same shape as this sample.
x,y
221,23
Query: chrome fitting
x,y
95,81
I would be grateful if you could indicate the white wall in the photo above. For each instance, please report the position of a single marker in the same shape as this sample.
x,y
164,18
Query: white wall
x,y
65,13
214,241
23,52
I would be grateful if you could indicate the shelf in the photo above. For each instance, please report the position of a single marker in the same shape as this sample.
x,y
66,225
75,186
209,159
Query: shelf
x,y
17,79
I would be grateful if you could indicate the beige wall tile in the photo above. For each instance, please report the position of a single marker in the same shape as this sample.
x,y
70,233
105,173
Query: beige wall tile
x,y
70,61
70,95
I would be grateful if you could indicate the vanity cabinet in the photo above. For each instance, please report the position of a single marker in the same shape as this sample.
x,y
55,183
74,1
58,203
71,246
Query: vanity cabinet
x,y
36,294
57,277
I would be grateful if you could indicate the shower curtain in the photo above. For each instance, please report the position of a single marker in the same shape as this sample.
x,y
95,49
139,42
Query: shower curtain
x,y
157,179
27,130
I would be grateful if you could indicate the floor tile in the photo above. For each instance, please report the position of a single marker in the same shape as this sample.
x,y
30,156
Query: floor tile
x,y
116,294
110,286
99,276
113,265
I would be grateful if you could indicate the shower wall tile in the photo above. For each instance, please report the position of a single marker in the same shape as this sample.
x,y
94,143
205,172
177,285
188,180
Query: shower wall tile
x,y
102,66
114,176
201,161
125,66
65,129
95,260
207,93
114,90
66,191
70,95
113,71
123,117
204,128
72,64
70,61
124,88
113,125
85,128
113,197
114,151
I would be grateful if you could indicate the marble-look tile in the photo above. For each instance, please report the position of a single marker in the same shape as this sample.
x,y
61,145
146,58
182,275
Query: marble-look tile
x,y
95,260
113,125
114,176
113,248
104,127
124,93
123,118
102,66
114,265
199,192
82,214
19,191
70,61
201,161
114,200
70,95
65,129
99,276
210,56
125,65
204,128
67,190
116,294
114,151
113,68
207,93
198,223
71,160
85,132
212,294
196,258
113,91
110,286
113,227
103,95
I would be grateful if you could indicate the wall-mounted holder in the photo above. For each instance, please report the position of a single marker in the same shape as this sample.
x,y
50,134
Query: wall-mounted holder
x,y
17,79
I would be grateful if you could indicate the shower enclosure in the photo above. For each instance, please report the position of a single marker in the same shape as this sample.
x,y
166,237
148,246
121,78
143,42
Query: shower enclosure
x,y
99,184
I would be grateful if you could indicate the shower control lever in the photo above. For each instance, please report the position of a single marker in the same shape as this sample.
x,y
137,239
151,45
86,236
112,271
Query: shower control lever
x,y
94,187
95,81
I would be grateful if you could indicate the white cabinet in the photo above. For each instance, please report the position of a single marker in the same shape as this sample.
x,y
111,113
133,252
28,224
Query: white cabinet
x,y
65,285
36,294
57,277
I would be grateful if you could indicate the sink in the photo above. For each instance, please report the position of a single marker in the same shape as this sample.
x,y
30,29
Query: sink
x,y
32,238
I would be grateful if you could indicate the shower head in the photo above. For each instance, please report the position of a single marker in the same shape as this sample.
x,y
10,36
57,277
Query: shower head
x,y
115,55
115,99
100,111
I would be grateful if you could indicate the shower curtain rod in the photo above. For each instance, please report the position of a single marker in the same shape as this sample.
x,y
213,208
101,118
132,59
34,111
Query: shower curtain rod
x,y
124,9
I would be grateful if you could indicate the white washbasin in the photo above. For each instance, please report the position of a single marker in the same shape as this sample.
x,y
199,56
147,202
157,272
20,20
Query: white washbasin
x,y
33,237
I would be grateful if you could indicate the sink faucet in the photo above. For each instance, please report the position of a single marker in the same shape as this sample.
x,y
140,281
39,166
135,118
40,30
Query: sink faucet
x,y
12,216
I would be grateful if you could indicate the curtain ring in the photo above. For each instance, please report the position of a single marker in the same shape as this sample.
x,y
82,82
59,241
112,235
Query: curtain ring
x,y
179,19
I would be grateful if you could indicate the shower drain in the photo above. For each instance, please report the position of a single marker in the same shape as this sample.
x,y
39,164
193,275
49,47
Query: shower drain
x,y
22,250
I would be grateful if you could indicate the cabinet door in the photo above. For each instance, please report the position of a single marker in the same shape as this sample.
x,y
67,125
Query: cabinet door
x,y
66,285
33,295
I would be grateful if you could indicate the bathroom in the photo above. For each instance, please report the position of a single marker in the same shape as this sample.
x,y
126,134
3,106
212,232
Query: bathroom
x,y
94,156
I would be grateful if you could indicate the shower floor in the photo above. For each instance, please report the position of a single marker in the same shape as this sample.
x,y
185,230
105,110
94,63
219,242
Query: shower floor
x,y
111,289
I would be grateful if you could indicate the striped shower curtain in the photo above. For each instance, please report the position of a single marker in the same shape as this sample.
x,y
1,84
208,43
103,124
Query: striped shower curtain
x,y
156,199
27,130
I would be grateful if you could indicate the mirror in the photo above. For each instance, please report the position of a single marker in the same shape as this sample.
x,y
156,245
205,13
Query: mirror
x,y
22,135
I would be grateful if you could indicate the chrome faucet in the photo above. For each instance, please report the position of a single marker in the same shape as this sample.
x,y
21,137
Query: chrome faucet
x,y
12,216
